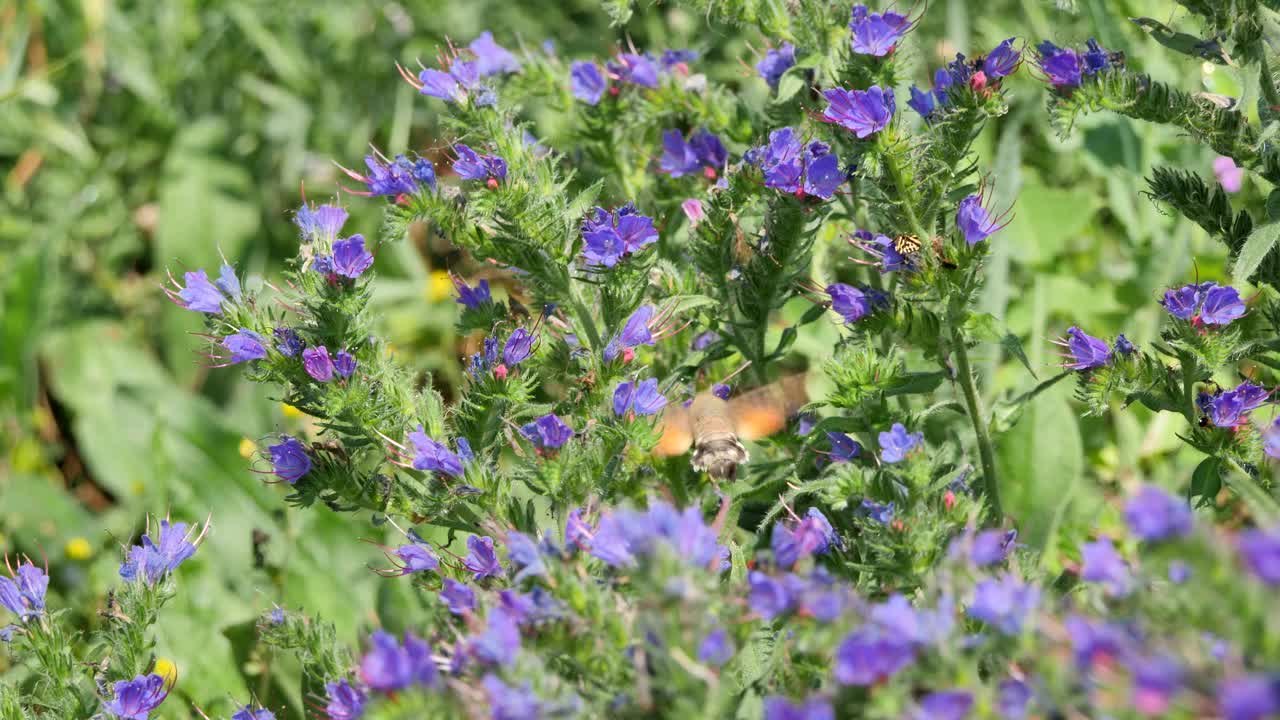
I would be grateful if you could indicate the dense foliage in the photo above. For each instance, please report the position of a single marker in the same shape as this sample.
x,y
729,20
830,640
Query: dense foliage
x,y
645,251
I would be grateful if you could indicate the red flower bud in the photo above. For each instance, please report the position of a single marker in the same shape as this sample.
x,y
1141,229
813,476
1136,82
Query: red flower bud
x,y
501,372
949,500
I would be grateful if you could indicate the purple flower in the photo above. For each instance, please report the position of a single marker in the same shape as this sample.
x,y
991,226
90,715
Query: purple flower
x,y
288,343
244,346
523,554
635,69
321,224
459,598
678,157
843,447
388,666
1183,302
492,58
481,560
895,444
472,298
1156,680
722,390
135,699
547,432
345,701
642,399
922,102
1231,408
862,112
777,707
1095,643
1124,346
24,594
884,246
1230,177
1085,352
154,559
316,361
1153,514
440,84
1004,603
871,655
609,236
673,58
500,641
822,176
587,82
431,456
344,364
991,547
882,514
635,332
394,178
1179,572
1061,65
289,459
849,302
1249,697
1012,698
1096,58
1260,551
974,220
1221,306
776,62
769,597
577,532
471,165
199,295
518,348
511,703
1101,563
876,34
945,705
716,648
417,558
1271,439
248,713
350,259
709,149
1002,60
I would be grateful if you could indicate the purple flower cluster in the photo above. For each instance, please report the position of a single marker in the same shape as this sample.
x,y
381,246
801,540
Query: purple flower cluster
x,y
702,152
394,177
792,166
155,558
472,298
635,332
890,640
389,666
136,699
810,535
1231,408
625,535
897,443
24,594
471,165
1205,303
876,34
816,595
980,77
610,236
465,78
1065,68
641,398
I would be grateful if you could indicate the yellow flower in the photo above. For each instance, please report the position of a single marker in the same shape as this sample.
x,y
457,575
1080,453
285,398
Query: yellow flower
x,y
438,286
166,669
290,411
78,548
248,447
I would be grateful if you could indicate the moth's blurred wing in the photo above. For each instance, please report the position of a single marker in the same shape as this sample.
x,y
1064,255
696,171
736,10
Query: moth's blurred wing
x,y
764,411
677,435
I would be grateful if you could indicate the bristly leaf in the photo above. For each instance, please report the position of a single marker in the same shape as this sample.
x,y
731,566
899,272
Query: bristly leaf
x,y
1260,245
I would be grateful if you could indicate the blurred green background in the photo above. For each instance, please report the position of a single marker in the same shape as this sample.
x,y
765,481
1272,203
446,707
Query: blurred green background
x,y
140,137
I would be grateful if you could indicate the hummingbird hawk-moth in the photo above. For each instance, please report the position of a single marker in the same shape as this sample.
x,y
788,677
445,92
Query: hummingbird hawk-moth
x,y
715,428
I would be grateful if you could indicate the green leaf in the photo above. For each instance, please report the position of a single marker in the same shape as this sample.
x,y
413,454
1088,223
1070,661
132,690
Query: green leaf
x,y
1184,43
1206,481
790,84
1260,243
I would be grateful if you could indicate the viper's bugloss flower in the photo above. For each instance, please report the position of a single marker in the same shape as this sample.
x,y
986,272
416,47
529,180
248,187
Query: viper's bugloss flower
x,y
1260,552
458,597
791,166
350,259
876,34
862,112
136,699
389,666
518,347
587,82
248,713
492,58
1230,177
635,332
1206,302
507,702
1096,58
1271,439
1096,642
895,444
812,535
945,705
625,534
471,165
975,221
672,58
608,236
1060,65
843,447
922,102
317,363
469,297
1084,352
870,655
320,224
417,557
199,295
481,560
1012,698
288,343
346,702
991,547
344,364
1101,563
1153,515
244,346
524,556
1156,680
500,642
883,247
716,648
1249,697
1124,346
769,597
776,62
289,459
1004,603
153,559
440,84
777,707
641,398
577,532
678,157
634,70
881,513
24,594
432,456
1002,61
387,177
849,302
1232,407
548,432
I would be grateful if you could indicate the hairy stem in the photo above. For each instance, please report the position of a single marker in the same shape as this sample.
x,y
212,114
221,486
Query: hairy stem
x,y
973,403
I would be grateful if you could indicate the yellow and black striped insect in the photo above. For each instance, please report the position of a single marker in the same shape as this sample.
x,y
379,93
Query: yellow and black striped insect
x,y
906,245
